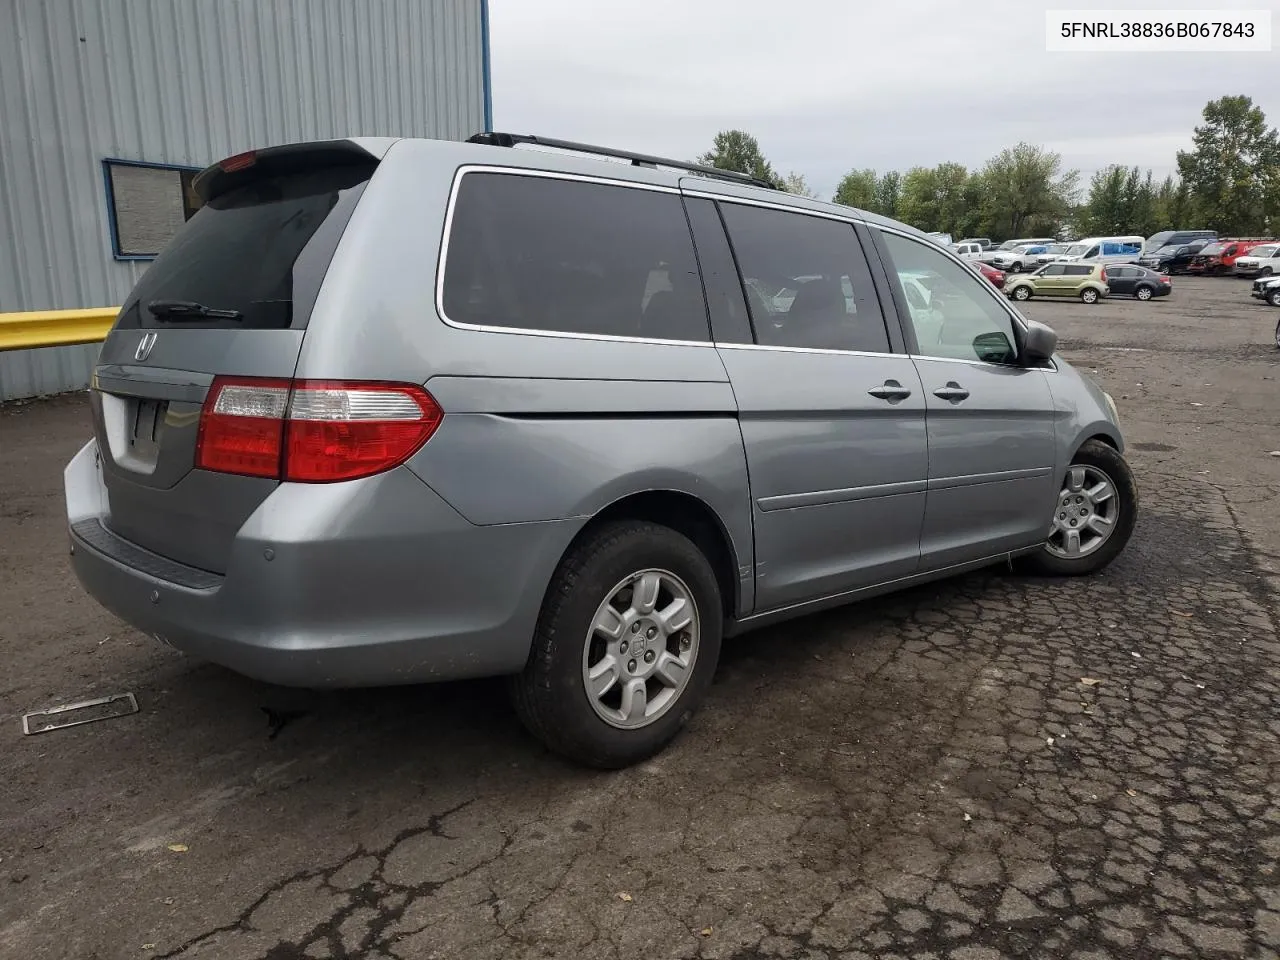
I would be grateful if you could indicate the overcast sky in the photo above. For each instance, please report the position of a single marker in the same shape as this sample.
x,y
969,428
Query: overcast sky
x,y
828,85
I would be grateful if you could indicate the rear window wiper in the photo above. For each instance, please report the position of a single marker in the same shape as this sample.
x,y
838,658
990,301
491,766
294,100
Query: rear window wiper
x,y
179,311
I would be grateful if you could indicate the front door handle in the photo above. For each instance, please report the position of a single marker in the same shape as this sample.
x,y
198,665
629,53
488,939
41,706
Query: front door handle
x,y
890,390
952,391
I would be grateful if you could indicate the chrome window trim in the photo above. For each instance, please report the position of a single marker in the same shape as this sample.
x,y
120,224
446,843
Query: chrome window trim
x,y
785,207
832,350
442,261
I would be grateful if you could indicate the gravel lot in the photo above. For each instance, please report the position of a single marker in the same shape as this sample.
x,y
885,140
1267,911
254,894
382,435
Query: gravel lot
x,y
922,776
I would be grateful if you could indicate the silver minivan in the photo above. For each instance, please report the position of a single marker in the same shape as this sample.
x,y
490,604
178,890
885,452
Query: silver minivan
x,y
393,410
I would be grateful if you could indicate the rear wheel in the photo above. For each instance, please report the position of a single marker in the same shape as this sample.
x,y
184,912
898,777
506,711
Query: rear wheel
x,y
625,648
1089,295
1143,292
1022,292
1093,516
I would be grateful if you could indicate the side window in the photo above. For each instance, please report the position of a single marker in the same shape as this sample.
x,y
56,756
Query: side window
x,y
1054,270
569,256
729,320
1078,269
806,279
962,319
1091,252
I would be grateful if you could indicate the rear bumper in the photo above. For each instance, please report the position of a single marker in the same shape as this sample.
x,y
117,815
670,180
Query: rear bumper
x,y
368,583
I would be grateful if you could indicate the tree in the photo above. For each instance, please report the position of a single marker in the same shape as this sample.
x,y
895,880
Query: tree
x,y
1027,191
918,199
738,150
858,189
1173,205
796,183
888,191
1103,211
1233,167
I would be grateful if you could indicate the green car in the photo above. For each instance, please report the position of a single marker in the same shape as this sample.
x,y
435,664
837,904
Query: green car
x,y
1088,281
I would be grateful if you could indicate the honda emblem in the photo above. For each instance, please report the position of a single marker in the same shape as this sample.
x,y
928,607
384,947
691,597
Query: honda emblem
x,y
145,345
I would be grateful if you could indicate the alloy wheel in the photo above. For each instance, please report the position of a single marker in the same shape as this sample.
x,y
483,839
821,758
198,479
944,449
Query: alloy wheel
x,y
1086,513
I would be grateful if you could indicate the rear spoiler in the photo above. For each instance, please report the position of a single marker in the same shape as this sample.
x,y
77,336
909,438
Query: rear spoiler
x,y
217,179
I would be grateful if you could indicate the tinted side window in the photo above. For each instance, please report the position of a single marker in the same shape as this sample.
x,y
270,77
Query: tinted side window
x,y
568,256
729,320
1078,270
959,318
1054,270
807,280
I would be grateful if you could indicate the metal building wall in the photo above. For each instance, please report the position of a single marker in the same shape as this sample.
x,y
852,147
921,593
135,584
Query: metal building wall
x,y
190,82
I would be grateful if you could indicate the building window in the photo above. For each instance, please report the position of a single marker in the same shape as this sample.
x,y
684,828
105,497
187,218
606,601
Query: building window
x,y
146,204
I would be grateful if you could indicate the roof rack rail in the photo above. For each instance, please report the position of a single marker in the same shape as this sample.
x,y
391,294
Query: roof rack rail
x,y
637,159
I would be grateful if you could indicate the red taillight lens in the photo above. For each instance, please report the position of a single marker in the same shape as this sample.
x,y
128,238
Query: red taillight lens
x,y
239,162
1164,279
312,431
339,431
242,427
1103,275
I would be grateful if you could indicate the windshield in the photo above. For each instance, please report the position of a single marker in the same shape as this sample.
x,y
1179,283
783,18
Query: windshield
x,y
1213,249
1077,250
1007,245
1056,248
1264,252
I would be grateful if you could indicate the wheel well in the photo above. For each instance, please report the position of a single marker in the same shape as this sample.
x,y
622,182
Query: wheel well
x,y
1103,438
689,516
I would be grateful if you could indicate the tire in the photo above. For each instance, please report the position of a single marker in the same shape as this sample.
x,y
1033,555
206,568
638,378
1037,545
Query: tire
x,y
1264,272
1096,457
1143,292
550,695
1089,295
1022,292
1278,334
1016,267
1273,297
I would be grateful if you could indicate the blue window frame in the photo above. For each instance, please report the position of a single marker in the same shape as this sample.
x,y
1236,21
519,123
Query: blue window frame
x,y
146,204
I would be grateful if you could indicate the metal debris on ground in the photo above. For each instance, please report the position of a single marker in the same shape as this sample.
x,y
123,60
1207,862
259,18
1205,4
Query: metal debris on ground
x,y
70,715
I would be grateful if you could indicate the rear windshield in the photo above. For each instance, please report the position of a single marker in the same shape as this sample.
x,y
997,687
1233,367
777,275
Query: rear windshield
x,y
252,258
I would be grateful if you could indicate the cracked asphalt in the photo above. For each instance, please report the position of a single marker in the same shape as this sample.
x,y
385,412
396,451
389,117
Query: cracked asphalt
x,y
994,766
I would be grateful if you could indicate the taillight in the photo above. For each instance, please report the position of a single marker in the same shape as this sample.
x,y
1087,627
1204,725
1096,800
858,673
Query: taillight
x,y
1103,275
312,431
242,427
239,162
1164,279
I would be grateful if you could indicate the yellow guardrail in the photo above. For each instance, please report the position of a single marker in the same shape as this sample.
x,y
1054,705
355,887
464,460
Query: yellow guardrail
x,y
55,328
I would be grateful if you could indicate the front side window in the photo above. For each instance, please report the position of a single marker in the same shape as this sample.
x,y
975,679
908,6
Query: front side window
x,y
963,320
569,256
806,279
1053,270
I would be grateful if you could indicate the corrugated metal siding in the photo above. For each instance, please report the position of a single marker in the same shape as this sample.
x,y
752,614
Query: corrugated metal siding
x,y
189,82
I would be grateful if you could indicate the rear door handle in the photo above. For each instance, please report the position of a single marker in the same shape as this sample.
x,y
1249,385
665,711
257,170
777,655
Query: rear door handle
x,y
890,390
952,391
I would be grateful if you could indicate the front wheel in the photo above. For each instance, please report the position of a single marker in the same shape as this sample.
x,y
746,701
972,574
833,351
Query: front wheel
x,y
1089,295
1022,292
1264,272
1016,268
625,648
1273,297
1093,516
1143,293
1278,334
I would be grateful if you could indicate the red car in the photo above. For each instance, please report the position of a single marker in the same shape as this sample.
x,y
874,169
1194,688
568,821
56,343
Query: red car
x,y
1220,255
990,272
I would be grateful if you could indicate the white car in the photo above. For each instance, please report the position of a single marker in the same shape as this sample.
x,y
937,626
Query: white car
x,y
1260,261
1051,253
1267,290
1019,258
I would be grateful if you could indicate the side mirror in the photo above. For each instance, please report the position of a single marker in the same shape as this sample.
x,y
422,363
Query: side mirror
x,y
1039,342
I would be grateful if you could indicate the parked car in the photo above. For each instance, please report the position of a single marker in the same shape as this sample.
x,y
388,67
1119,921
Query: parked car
x,y
1176,238
1051,253
1261,261
968,249
944,239
1104,250
1019,258
1219,257
990,253
1172,259
349,427
1267,289
983,242
1131,280
990,273
1088,281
